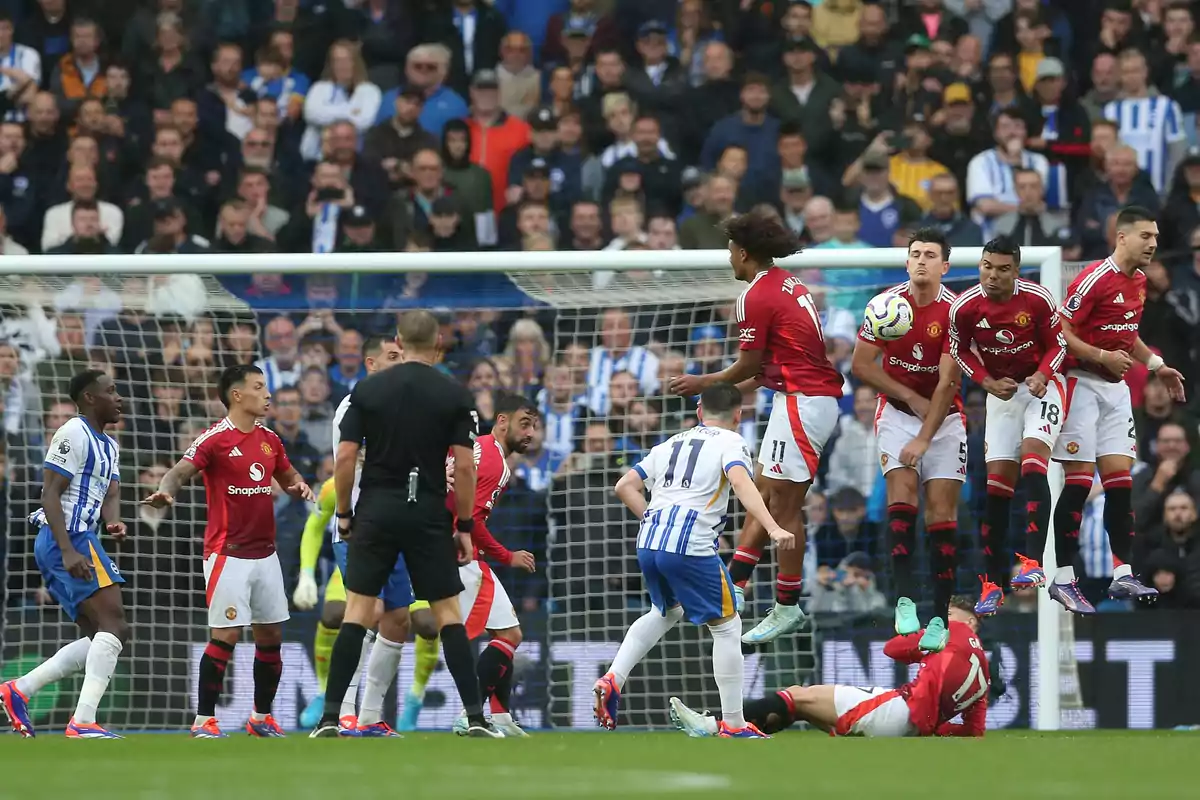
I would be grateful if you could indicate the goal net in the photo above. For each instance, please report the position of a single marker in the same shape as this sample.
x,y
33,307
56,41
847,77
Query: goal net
x,y
594,348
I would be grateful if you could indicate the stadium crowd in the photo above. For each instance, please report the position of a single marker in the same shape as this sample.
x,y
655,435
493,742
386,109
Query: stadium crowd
x,y
251,126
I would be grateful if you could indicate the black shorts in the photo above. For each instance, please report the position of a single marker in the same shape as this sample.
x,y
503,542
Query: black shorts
x,y
386,525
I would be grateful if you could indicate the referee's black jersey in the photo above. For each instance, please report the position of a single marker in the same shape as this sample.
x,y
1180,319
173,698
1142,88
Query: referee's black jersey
x,y
406,416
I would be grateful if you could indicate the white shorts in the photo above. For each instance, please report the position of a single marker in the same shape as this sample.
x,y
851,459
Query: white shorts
x,y
244,591
796,435
1099,420
1021,417
946,458
871,712
484,603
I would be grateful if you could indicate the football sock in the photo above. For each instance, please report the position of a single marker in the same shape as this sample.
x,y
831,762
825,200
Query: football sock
x,y
428,651
343,663
642,635
268,667
773,713
1037,505
350,698
381,672
322,647
98,670
745,559
944,560
902,537
1068,515
461,662
212,676
495,662
729,669
994,531
1118,513
787,589
69,659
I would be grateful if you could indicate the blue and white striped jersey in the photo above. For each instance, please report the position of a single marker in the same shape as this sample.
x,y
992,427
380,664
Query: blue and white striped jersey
x,y
1150,125
637,361
89,459
689,489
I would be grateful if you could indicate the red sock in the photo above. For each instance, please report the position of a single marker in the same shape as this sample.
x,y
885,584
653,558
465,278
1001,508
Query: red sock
x,y
745,559
787,589
212,676
495,673
268,668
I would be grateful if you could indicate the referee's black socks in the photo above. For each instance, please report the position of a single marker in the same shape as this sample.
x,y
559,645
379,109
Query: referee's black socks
x,y
343,662
460,660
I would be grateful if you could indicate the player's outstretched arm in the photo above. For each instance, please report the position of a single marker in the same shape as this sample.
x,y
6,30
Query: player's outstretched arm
x,y
747,494
905,649
949,379
865,365
294,484
180,474
748,365
631,490
1171,377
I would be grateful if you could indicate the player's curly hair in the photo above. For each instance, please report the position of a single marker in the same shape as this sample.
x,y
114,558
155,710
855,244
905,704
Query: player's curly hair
x,y
763,236
963,603
82,382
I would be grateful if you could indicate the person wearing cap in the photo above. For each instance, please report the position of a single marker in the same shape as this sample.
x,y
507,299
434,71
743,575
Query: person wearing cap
x,y
535,187
170,231
751,128
393,142
425,71
564,169
359,232
1066,130
803,78
495,136
604,31
960,133
882,211
1032,33
659,82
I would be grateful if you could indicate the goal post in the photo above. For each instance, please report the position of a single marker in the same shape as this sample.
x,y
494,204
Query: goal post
x,y
584,539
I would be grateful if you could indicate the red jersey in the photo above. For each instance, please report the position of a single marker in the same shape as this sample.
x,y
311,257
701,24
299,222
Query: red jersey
x,y
952,682
238,468
1011,340
1104,307
776,314
491,479
914,359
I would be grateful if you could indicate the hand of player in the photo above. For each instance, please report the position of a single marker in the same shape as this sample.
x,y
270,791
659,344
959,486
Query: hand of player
x,y
1037,385
301,490
159,500
919,406
911,454
305,596
1173,380
344,527
1004,388
117,530
449,474
77,565
784,540
1117,362
464,548
523,559
686,385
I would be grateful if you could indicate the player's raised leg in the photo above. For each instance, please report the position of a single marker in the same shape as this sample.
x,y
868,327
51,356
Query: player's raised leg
x,y
640,639
427,649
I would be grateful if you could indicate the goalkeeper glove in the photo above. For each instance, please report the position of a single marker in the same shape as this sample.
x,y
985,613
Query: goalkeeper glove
x,y
305,596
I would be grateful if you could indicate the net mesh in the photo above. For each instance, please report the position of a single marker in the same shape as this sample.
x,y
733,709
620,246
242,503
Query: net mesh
x,y
595,350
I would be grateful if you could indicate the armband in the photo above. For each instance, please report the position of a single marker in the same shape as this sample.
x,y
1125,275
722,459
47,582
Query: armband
x,y
1155,363
464,525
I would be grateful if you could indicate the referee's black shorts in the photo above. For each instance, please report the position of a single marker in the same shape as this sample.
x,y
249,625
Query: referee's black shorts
x,y
387,525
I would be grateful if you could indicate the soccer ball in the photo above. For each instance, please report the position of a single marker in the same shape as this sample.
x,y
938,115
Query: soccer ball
x,y
889,316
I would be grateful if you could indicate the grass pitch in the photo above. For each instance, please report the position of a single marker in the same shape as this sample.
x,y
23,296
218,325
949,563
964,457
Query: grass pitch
x,y
616,766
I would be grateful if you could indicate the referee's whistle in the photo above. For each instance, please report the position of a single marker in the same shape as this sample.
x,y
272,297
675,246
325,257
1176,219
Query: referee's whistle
x,y
414,477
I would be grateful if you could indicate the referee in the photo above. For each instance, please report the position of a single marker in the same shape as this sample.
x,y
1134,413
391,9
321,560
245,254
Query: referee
x,y
408,418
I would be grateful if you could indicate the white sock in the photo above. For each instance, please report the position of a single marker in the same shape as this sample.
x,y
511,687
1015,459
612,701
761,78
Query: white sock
x,y
729,669
642,635
1122,571
69,659
502,718
200,720
350,700
98,669
1064,575
381,671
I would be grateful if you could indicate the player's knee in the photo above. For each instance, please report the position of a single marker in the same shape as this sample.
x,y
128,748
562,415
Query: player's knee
x,y
393,625
424,624
511,635
229,636
118,627
332,614
268,635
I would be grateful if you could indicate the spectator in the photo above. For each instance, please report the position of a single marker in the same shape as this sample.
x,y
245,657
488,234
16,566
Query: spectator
x,y
226,104
86,237
409,209
944,214
471,183
835,24
534,188
1033,224
8,245
173,72
876,50
1157,137
233,231
617,353
661,232
287,413
316,416
882,212
854,461
911,168
520,81
22,70
660,81
315,226
254,188
283,82
603,30
585,229
960,135
715,96
660,176
752,129
281,365
1124,184
340,147
81,186
1105,85
1164,572
159,184
359,234
386,29
991,188
564,169
79,73
18,193
495,136
425,71
848,589
451,233
1176,537
473,47
530,353
169,233
609,69
349,369
342,95
1168,320
393,142
699,232
1170,468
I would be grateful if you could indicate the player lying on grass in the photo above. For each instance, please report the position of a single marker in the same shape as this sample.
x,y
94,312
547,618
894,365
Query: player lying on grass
x,y
80,497
239,457
953,680
379,353
689,477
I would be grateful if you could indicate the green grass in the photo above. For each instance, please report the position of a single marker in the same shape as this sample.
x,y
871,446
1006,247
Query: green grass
x,y
616,766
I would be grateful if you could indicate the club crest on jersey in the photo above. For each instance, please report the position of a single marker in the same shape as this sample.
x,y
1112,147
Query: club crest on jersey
x,y
918,351
266,448
231,613
883,459
934,330
1141,295
257,473
1005,337
1074,302
1022,319
1072,447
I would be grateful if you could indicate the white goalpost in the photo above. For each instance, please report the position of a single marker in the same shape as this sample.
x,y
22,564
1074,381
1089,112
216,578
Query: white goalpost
x,y
671,298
